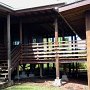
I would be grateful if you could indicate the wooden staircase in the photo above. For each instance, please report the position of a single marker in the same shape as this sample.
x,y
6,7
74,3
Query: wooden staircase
x,y
3,62
66,51
15,57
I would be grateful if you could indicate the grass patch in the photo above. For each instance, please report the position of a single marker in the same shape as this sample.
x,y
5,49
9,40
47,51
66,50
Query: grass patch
x,y
31,87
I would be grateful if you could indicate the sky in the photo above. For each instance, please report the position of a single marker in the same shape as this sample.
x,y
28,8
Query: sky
x,y
22,4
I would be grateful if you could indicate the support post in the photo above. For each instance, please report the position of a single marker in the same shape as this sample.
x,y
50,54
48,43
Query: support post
x,y
77,70
69,69
18,71
88,45
20,32
41,70
57,81
73,67
56,44
48,69
53,65
9,47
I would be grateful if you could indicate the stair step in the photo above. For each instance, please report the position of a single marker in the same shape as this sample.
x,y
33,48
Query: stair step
x,y
4,75
3,67
2,78
3,64
4,70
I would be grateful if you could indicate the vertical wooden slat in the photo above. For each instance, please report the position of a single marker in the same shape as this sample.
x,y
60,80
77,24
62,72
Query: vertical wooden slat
x,y
9,47
88,45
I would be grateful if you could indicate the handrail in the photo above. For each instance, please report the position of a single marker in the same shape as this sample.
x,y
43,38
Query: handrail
x,y
54,42
15,56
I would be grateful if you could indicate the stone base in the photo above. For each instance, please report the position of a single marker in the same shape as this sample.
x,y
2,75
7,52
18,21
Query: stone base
x,y
64,78
6,84
57,82
23,75
16,77
10,83
31,75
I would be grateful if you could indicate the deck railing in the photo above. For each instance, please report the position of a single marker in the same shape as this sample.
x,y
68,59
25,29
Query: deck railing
x,y
65,49
15,57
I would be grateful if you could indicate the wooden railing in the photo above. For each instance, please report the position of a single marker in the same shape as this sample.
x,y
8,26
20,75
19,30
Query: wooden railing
x,y
47,51
15,56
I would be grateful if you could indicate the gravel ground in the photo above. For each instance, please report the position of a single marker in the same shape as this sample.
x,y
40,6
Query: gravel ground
x,y
71,85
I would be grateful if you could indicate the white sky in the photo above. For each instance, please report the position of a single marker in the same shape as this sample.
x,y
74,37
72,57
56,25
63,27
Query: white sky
x,y
22,4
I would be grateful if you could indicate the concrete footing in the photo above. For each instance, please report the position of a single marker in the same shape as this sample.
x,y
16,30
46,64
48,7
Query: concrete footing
x,y
57,82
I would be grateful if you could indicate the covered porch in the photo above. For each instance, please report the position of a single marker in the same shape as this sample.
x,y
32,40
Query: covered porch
x,y
39,36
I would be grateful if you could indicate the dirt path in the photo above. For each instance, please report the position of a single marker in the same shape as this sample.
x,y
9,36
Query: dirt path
x,y
71,85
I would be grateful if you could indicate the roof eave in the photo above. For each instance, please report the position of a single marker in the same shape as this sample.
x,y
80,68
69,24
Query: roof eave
x,y
39,8
74,5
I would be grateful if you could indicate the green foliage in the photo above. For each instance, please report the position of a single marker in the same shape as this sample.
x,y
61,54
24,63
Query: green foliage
x,y
83,66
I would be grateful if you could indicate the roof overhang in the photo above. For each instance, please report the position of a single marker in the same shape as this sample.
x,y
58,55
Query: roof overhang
x,y
5,9
74,14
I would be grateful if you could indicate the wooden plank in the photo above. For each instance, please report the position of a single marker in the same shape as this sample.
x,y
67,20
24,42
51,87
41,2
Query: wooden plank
x,y
54,52
71,55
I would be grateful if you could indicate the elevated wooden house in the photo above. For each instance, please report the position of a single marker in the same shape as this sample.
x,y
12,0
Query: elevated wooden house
x,y
18,28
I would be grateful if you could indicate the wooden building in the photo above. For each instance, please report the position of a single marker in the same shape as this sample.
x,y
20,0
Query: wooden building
x,y
18,29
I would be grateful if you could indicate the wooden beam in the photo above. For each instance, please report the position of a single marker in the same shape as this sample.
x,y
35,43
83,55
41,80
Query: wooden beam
x,y
88,45
9,47
56,44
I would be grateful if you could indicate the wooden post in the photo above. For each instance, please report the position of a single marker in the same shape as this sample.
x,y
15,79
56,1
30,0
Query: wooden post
x,y
56,44
20,32
53,65
88,45
9,47
41,70
18,71
69,69
77,70
48,69
73,67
